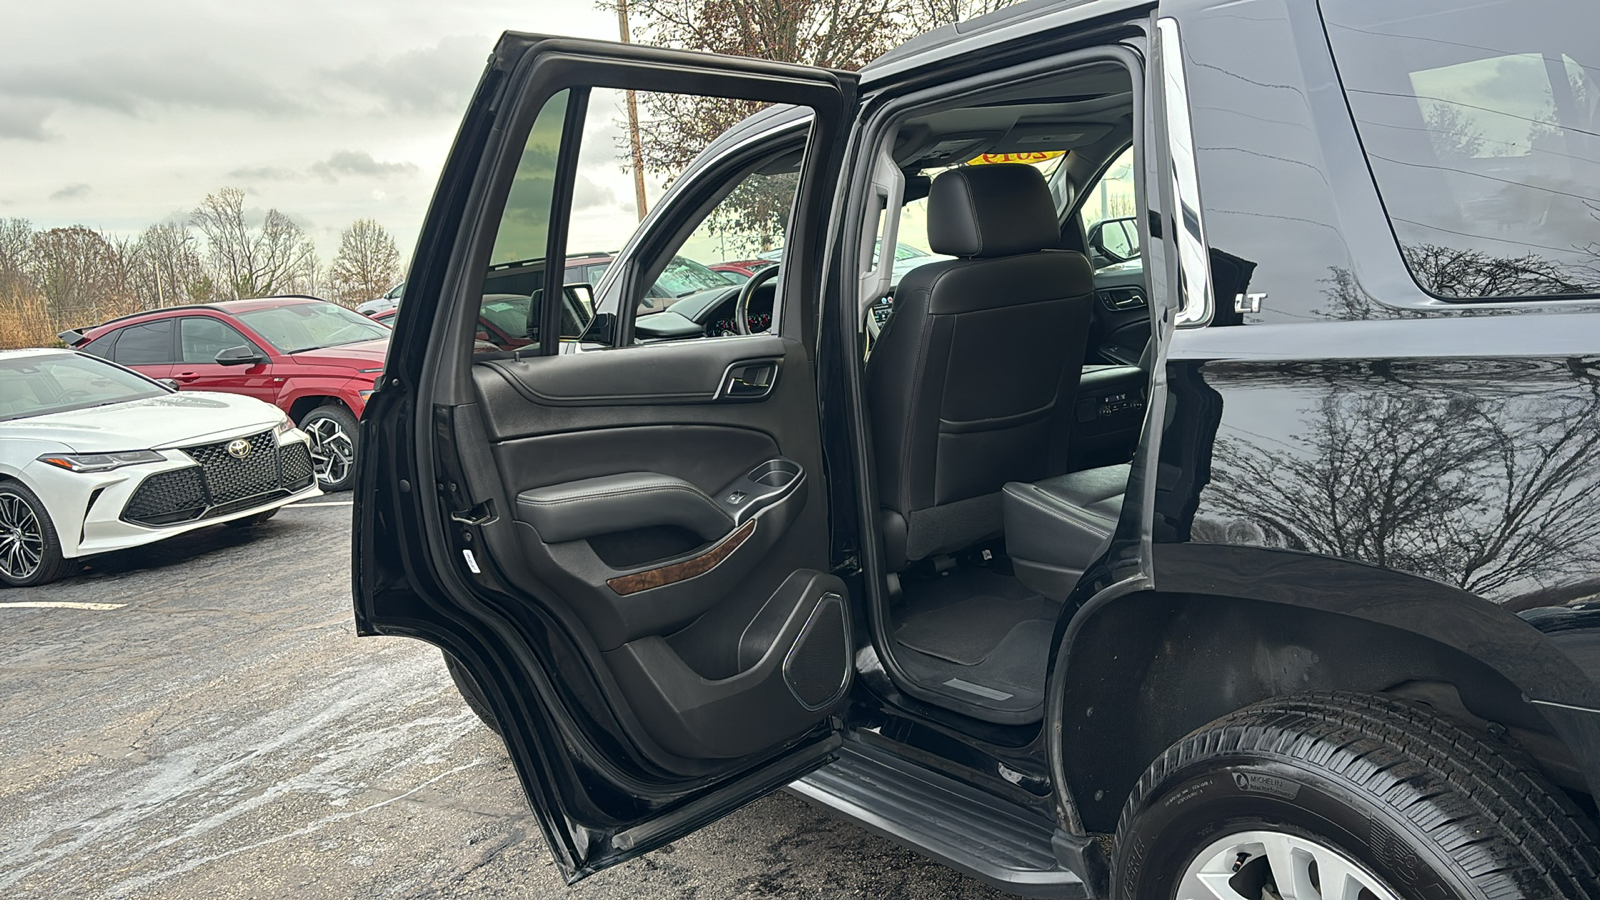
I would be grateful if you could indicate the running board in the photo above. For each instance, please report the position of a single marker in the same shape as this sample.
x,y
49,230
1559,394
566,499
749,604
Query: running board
x,y
997,842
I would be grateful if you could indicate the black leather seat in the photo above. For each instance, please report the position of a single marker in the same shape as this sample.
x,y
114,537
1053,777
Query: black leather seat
x,y
971,383
1057,527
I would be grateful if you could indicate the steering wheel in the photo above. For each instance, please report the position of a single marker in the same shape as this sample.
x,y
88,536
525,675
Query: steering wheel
x,y
741,307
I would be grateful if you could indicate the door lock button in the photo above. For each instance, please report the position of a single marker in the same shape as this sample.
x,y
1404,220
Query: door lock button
x,y
736,498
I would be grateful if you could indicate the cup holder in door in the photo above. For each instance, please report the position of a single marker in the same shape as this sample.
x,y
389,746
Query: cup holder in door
x,y
775,472
761,487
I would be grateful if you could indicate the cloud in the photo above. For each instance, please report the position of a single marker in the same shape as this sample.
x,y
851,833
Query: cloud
x,y
433,80
128,84
264,173
359,162
23,121
587,194
71,192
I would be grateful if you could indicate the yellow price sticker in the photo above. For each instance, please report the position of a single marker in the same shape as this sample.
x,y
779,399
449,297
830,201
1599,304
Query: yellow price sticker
x,y
989,159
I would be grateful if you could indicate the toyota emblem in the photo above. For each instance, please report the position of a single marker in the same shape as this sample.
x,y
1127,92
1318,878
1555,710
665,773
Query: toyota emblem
x,y
239,449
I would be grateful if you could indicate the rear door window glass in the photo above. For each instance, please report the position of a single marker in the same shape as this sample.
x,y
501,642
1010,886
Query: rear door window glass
x,y
1480,126
149,344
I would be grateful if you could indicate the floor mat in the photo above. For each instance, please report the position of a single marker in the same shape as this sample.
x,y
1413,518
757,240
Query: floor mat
x,y
966,633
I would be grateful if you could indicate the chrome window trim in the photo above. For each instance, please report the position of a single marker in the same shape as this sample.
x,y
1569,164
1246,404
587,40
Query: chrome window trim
x,y
1196,304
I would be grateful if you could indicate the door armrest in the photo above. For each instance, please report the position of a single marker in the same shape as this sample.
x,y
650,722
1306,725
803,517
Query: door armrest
x,y
590,507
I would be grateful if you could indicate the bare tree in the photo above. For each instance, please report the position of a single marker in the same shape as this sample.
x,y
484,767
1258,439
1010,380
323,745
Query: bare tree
x,y
927,15
249,260
367,264
25,320
80,275
16,246
166,269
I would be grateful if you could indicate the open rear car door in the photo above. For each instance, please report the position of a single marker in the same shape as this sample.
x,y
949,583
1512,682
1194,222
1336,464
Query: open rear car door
x,y
626,548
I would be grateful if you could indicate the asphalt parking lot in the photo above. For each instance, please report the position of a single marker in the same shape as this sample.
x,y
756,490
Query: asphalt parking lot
x,y
209,726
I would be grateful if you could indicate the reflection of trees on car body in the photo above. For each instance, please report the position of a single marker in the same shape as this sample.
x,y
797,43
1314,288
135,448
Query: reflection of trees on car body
x,y
1479,473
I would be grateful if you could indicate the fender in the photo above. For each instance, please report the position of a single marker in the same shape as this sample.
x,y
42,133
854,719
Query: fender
x,y
1207,614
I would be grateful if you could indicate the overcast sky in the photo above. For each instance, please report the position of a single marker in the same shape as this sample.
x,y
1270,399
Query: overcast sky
x,y
118,115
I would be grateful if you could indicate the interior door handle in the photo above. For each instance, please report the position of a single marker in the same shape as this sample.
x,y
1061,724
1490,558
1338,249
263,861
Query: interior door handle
x,y
751,380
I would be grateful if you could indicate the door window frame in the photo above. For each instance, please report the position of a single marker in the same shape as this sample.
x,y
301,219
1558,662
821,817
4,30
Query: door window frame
x,y
737,79
247,341
174,352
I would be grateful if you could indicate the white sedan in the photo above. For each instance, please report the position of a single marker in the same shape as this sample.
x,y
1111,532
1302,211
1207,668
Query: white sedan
x,y
94,457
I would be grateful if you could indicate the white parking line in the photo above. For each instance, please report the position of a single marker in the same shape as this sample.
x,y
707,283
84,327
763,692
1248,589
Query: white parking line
x,y
310,503
60,604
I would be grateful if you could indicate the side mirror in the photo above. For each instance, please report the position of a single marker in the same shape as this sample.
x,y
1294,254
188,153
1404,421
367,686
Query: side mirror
x,y
243,355
582,296
169,383
1116,240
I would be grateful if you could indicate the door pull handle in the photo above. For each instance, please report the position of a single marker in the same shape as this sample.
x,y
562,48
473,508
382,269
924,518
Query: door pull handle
x,y
749,380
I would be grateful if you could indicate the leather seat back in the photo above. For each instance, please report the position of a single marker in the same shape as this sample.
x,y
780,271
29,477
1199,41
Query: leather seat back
x,y
971,382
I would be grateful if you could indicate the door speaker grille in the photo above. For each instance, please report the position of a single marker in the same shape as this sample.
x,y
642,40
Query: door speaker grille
x,y
817,665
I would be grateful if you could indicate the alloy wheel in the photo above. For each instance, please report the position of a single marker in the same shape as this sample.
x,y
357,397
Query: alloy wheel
x,y
332,450
1272,865
21,538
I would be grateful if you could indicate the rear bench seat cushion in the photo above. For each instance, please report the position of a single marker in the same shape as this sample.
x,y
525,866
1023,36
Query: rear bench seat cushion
x,y
1056,527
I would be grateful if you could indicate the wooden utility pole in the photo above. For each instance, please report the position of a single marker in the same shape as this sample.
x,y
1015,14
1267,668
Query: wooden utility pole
x,y
633,121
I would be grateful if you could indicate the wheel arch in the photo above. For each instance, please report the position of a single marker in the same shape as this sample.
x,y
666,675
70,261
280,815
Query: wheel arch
x,y
308,402
1227,627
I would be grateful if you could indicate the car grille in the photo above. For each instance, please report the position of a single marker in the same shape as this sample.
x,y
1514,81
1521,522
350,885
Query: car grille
x,y
229,479
221,483
297,472
168,497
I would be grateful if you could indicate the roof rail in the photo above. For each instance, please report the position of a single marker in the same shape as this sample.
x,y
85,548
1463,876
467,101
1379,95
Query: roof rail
x,y
146,312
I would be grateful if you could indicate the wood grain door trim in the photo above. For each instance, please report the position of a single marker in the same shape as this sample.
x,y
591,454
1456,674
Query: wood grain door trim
x,y
682,571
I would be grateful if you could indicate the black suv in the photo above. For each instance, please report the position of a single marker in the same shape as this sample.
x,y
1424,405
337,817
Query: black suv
x,y
1261,563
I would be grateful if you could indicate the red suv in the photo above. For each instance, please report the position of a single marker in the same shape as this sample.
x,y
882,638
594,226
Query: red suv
x,y
313,359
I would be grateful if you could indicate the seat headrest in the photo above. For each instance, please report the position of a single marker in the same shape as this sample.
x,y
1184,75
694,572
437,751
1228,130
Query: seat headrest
x,y
996,210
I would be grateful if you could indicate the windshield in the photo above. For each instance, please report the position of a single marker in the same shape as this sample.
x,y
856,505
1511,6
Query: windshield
x,y
39,385
297,327
507,313
685,276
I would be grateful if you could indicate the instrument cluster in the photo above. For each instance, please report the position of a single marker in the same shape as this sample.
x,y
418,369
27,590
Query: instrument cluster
x,y
759,321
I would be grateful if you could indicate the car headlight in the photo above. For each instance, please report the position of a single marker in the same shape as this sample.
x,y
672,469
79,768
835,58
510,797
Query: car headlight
x,y
283,427
101,462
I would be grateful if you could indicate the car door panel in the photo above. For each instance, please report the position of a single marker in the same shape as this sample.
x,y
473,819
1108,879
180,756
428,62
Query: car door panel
x,y
672,645
1121,324
672,372
645,578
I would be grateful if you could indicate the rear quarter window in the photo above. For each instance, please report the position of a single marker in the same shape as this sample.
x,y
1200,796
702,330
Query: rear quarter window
x,y
1479,123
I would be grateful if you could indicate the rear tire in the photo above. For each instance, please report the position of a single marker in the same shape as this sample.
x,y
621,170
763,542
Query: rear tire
x,y
470,692
1403,802
333,432
252,521
30,550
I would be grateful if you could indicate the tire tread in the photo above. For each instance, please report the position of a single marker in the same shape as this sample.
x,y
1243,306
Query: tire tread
x,y
1451,785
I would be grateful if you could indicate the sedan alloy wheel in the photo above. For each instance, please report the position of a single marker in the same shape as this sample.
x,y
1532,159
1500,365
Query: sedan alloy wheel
x,y
22,538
